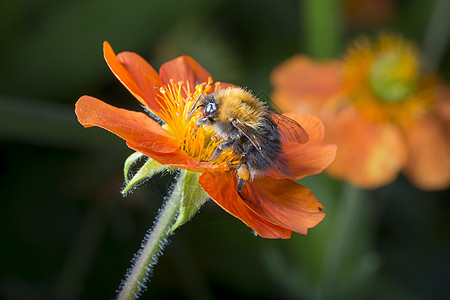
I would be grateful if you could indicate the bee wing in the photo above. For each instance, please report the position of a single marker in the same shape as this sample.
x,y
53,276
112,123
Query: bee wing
x,y
281,163
289,129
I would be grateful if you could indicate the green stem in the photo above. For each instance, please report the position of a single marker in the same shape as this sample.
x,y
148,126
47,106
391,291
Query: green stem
x,y
346,221
437,34
152,247
320,27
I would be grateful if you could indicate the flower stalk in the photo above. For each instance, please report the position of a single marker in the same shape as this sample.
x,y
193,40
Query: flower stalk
x,y
156,239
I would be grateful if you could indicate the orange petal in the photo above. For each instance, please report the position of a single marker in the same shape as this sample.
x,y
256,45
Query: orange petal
x,y
369,154
183,68
429,162
284,203
442,103
303,85
136,75
312,125
221,187
178,159
223,85
310,158
134,127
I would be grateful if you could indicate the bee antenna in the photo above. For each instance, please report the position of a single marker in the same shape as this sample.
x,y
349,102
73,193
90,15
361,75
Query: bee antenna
x,y
196,128
194,108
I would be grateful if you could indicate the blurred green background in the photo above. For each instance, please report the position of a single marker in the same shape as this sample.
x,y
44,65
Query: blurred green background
x,y
66,231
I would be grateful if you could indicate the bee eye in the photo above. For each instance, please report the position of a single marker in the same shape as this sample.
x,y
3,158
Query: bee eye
x,y
209,109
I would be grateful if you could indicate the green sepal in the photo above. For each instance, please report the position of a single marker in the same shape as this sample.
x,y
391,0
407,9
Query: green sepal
x,y
129,162
150,168
191,196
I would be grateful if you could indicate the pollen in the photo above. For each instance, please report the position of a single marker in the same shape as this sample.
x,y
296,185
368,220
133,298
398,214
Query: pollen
x,y
177,99
383,78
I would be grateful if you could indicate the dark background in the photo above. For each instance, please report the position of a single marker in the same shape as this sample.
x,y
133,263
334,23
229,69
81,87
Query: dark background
x,y
67,233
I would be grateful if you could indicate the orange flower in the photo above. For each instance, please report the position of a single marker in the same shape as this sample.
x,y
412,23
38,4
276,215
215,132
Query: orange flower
x,y
276,207
378,108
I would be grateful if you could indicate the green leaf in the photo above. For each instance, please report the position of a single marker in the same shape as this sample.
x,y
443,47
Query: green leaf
x,y
191,196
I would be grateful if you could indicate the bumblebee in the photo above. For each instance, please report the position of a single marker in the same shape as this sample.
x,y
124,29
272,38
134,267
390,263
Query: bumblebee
x,y
248,128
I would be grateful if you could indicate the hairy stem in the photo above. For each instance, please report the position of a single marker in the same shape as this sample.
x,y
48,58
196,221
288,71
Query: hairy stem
x,y
152,246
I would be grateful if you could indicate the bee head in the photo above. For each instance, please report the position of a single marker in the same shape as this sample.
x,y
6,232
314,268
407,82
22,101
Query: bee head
x,y
209,108
209,111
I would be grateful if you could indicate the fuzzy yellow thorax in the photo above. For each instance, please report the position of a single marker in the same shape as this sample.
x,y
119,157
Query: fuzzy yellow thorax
x,y
240,105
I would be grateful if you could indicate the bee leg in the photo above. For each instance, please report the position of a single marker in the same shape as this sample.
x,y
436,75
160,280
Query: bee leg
x,y
222,146
243,174
200,122
240,185
239,150
232,165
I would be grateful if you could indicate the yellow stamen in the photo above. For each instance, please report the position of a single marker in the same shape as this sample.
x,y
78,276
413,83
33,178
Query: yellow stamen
x,y
383,80
177,101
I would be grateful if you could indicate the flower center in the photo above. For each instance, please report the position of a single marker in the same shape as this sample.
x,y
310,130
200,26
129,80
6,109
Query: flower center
x,y
383,80
178,100
394,76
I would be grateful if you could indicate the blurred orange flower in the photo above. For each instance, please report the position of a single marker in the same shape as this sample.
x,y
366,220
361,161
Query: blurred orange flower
x,y
378,107
277,205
